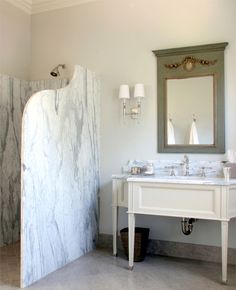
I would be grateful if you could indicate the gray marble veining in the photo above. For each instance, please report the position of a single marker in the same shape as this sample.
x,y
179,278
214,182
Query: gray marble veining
x,y
12,97
14,93
60,176
164,167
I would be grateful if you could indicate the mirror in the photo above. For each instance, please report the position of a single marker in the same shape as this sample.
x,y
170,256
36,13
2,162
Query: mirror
x,y
191,99
186,113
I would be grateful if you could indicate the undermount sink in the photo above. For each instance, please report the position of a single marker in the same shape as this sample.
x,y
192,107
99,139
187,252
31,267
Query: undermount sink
x,y
190,179
186,178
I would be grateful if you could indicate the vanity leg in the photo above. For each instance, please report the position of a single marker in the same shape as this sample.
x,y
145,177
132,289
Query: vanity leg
x,y
224,248
131,240
115,227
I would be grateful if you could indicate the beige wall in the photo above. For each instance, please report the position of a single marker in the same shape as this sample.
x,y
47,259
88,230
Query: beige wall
x,y
116,39
14,41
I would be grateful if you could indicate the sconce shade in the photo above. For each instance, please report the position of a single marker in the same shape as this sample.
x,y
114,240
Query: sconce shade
x,y
139,91
124,92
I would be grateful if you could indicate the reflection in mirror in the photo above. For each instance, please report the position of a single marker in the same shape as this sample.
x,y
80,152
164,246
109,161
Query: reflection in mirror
x,y
190,110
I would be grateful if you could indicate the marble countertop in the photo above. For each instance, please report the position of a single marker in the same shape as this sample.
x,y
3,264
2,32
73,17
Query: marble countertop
x,y
176,179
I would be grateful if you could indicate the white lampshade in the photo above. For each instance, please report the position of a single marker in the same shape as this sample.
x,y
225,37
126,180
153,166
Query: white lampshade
x,y
124,92
139,91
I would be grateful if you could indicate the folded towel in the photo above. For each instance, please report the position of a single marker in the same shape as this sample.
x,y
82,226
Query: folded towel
x,y
231,155
232,165
193,139
171,133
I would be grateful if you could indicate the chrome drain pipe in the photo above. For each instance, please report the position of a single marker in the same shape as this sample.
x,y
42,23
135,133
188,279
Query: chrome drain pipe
x,y
187,225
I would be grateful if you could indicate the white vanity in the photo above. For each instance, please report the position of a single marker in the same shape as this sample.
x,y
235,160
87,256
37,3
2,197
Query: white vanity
x,y
190,197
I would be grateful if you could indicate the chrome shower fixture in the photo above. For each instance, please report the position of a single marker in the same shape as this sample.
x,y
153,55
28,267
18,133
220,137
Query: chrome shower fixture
x,y
55,72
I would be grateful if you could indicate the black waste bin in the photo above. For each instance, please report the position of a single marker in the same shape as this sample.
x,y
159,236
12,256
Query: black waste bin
x,y
140,244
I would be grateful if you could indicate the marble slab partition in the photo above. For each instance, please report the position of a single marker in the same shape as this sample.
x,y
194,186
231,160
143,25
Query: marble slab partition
x,y
60,176
14,93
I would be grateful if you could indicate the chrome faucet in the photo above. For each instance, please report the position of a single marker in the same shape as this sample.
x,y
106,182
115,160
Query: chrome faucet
x,y
186,165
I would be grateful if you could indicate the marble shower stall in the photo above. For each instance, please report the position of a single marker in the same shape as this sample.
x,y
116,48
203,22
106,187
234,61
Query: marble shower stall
x,y
60,176
14,93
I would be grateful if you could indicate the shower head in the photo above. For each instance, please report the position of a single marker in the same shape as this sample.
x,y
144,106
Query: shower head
x,y
55,72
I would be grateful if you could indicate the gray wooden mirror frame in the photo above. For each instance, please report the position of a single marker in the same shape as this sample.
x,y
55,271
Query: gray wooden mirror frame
x,y
204,60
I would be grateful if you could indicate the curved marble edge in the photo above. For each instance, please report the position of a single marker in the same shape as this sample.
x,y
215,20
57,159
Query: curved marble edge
x,y
48,90
35,97
23,120
197,180
29,101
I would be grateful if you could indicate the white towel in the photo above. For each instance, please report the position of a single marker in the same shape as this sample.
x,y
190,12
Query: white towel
x,y
231,155
171,133
193,139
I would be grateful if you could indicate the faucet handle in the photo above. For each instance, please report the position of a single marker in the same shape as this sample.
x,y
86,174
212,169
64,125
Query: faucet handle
x,y
172,169
203,172
186,158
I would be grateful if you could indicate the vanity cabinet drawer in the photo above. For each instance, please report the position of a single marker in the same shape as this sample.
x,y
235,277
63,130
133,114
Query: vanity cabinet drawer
x,y
197,201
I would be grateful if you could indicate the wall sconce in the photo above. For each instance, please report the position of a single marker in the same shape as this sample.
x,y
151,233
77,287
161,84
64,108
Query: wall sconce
x,y
134,112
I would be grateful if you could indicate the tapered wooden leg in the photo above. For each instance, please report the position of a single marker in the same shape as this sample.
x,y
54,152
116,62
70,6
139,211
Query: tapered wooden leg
x,y
131,240
224,248
114,228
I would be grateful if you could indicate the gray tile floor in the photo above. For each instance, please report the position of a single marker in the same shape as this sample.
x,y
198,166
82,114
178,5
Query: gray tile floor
x,y
99,270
